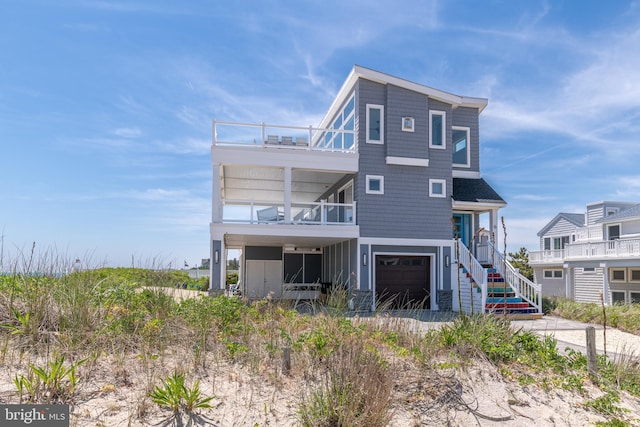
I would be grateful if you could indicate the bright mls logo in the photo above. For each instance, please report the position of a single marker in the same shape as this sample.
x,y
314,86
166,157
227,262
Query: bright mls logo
x,y
34,415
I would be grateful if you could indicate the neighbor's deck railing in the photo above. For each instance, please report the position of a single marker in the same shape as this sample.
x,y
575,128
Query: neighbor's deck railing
x,y
620,248
262,135
314,213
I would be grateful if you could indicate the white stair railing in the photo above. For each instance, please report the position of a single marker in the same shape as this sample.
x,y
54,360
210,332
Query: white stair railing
x,y
523,287
476,270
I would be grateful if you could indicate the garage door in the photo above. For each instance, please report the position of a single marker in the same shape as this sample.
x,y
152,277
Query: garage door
x,y
403,281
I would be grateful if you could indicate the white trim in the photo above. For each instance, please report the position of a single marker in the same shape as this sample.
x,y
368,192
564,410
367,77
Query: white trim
x,y
376,107
477,206
444,188
407,161
443,114
630,276
407,242
462,165
408,124
466,174
370,178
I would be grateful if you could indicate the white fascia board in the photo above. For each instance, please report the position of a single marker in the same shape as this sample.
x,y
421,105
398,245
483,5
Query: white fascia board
x,y
465,174
300,159
455,100
407,161
476,206
386,241
339,99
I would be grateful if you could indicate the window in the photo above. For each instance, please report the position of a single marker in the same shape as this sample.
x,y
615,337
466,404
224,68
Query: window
x,y
617,297
617,275
460,143
547,243
437,135
613,231
553,274
341,136
437,188
588,270
408,124
375,124
612,211
634,275
560,242
634,297
375,184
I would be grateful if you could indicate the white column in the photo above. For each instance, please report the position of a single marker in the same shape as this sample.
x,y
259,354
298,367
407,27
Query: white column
x,y
287,194
216,195
605,284
493,225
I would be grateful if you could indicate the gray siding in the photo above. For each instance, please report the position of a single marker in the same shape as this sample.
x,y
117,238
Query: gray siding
x,y
587,286
561,228
404,210
550,287
594,213
631,227
404,103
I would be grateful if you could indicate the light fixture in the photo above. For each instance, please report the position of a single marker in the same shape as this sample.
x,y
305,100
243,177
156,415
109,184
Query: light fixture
x,y
364,259
447,262
216,256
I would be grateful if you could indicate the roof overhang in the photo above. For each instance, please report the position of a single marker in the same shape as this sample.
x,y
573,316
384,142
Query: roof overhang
x,y
376,76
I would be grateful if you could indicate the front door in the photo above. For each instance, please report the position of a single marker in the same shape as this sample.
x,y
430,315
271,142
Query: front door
x,y
462,227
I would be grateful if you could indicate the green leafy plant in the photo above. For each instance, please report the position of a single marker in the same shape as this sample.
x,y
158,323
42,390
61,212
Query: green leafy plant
x,y
175,395
53,384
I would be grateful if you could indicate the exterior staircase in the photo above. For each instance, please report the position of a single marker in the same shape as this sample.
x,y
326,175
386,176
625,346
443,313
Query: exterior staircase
x,y
501,298
499,288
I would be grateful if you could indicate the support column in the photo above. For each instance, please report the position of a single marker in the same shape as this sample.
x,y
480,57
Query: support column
x,y
287,194
605,284
216,195
493,225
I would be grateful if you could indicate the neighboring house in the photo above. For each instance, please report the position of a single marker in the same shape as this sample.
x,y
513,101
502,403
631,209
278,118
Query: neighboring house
x,y
367,200
593,255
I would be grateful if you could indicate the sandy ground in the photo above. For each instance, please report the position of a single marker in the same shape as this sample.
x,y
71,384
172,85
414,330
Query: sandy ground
x,y
115,390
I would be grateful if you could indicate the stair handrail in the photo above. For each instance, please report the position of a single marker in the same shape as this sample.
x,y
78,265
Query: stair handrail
x,y
523,287
476,270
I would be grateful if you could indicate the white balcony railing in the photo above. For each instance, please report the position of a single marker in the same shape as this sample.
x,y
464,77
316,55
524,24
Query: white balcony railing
x,y
315,213
261,135
622,248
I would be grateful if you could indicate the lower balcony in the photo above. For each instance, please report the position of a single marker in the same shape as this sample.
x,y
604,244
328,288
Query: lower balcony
x,y
314,213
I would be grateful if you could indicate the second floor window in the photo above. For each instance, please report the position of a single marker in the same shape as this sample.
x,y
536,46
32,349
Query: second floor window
x,y
437,135
375,124
460,144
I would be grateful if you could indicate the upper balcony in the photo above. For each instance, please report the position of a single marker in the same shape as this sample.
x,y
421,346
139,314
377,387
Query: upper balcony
x,y
605,249
262,135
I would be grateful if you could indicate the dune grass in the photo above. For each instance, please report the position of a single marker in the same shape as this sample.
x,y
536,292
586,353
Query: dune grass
x,y
75,320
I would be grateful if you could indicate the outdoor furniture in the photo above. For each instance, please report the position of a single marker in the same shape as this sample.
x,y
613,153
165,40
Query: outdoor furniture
x,y
272,139
270,214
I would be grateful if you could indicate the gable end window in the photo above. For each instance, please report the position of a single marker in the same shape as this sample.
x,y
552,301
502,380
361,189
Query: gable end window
x,y
460,146
437,188
408,124
437,134
375,124
375,184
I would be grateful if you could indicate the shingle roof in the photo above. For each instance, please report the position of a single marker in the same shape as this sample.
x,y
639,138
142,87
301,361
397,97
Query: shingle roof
x,y
474,190
631,212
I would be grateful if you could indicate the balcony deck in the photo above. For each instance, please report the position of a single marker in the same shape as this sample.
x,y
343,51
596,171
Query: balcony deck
x,y
607,249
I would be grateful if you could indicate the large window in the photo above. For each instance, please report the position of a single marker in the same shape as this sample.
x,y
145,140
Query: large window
x,y
343,138
613,231
460,144
375,124
437,135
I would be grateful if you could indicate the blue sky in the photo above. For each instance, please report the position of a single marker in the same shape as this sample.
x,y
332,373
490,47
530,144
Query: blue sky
x,y
106,106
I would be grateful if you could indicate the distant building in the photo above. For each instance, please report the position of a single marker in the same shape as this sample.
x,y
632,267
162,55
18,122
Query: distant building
x,y
584,256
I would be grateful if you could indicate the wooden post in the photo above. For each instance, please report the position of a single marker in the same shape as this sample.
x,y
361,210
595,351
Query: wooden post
x,y
592,356
286,360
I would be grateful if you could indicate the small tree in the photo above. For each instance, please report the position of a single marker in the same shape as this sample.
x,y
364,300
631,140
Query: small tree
x,y
520,260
